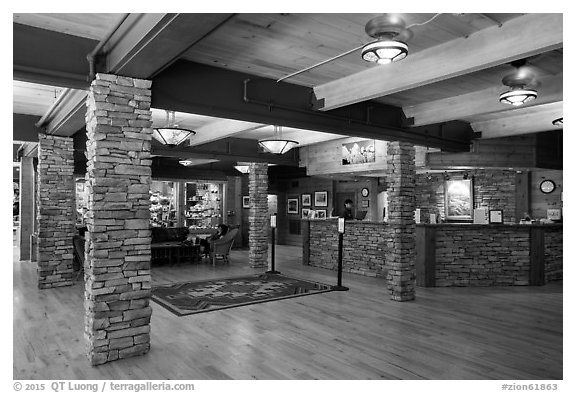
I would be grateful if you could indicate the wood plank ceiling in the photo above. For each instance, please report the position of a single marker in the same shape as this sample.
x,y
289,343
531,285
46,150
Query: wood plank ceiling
x,y
275,45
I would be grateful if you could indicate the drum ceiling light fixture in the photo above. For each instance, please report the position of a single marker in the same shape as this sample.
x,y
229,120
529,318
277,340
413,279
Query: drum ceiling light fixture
x,y
387,49
171,134
518,81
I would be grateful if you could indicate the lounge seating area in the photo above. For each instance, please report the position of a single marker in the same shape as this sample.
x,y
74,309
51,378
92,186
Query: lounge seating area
x,y
169,246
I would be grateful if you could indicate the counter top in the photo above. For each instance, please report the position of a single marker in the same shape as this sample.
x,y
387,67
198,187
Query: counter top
x,y
490,226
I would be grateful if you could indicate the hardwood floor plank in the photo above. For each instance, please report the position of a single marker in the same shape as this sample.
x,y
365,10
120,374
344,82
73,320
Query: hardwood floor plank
x,y
446,333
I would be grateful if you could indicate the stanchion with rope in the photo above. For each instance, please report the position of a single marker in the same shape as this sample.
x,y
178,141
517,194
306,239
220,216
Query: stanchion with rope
x,y
339,286
273,249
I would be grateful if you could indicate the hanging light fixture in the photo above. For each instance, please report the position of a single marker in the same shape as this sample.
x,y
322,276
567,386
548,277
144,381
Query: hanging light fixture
x,y
517,81
171,134
242,167
277,144
386,49
559,122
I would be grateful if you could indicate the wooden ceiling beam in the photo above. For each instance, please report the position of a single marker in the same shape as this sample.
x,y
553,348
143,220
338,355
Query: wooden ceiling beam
x,y
220,129
480,102
520,121
518,38
241,96
147,43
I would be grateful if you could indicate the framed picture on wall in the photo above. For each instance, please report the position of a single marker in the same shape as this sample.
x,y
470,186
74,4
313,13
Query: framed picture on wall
x,y
292,205
321,214
305,212
496,217
458,199
321,198
246,202
306,200
365,203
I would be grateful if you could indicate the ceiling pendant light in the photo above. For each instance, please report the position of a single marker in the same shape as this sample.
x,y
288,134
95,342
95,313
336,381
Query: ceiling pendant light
x,y
277,144
517,81
558,122
171,134
386,49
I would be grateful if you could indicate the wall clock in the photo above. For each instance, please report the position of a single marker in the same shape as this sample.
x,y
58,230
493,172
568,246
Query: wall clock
x,y
547,186
365,192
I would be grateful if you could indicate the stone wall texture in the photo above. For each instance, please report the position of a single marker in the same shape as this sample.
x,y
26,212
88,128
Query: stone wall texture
x,y
55,194
258,215
484,256
117,267
553,254
364,251
401,256
493,189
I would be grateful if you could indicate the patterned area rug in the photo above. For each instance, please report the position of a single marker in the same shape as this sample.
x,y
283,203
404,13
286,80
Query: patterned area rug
x,y
203,296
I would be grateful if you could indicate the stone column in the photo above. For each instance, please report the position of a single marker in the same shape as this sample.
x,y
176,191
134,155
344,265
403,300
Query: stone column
x,y
26,206
258,216
400,258
117,267
55,215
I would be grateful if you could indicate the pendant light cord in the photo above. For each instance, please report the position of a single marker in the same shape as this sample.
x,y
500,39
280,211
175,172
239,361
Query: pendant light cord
x,y
348,52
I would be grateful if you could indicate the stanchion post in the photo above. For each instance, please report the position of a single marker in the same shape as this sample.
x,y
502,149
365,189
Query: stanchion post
x,y
273,248
339,286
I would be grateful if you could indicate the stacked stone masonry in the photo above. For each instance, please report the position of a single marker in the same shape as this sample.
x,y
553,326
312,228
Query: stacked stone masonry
x,y
553,254
401,204
483,256
365,246
258,216
493,189
55,213
117,268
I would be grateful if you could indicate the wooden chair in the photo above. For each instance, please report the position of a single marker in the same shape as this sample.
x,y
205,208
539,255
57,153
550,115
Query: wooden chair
x,y
221,247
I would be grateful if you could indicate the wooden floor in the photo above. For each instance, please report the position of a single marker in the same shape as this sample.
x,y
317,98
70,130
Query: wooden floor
x,y
447,333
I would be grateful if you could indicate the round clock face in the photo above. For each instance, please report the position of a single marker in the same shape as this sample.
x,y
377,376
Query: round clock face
x,y
547,186
365,192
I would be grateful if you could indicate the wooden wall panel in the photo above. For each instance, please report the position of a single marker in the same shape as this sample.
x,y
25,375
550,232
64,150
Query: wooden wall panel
x,y
326,158
540,202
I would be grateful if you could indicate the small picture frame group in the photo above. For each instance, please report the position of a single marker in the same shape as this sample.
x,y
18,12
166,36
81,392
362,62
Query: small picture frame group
x,y
306,200
305,212
246,202
292,205
321,214
321,198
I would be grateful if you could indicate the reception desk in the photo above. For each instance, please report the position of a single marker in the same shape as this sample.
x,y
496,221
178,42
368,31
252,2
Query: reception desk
x,y
488,255
446,254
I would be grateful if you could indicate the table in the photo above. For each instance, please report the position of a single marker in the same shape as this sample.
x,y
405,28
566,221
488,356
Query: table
x,y
175,252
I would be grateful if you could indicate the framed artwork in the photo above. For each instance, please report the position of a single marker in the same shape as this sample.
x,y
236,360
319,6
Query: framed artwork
x,y
321,198
496,217
458,199
292,205
305,212
360,152
365,203
321,214
246,202
306,200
